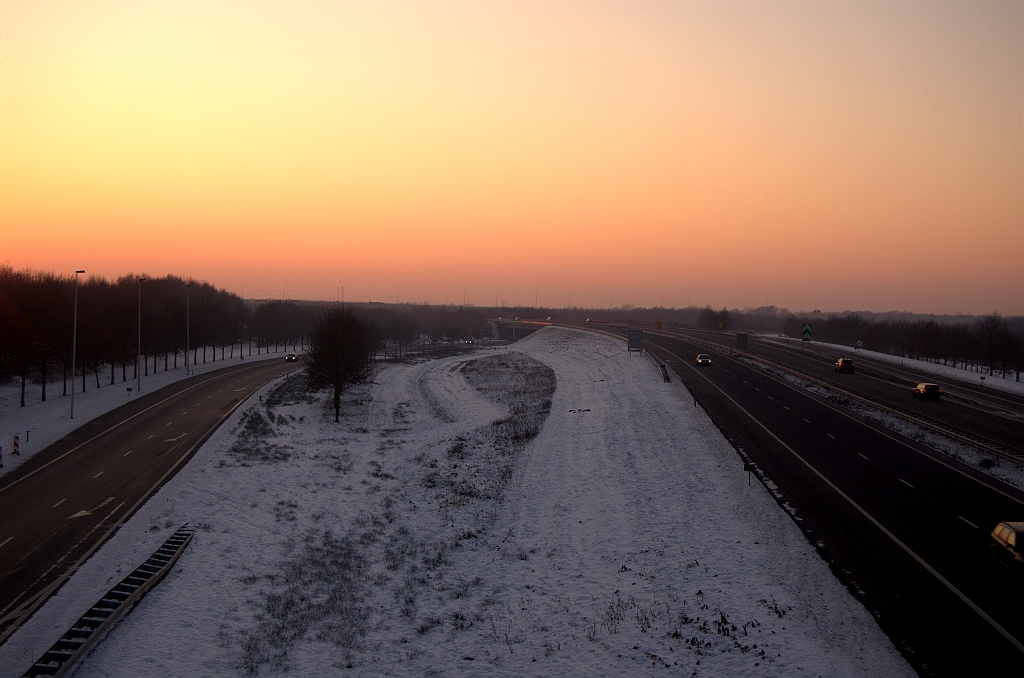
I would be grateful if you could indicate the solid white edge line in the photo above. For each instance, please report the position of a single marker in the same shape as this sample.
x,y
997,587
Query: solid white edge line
x,y
120,423
42,596
959,594
874,426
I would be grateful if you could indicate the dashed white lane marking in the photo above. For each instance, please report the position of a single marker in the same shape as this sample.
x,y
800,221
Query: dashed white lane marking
x,y
97,475
60,502
828,434
236,390
184,413
150,437
906,483
5,541
863,456
807,420
969,522
169,423
127,453
786,408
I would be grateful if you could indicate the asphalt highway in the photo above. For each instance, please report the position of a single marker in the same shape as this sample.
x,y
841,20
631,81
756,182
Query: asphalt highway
x,y
905,528
985,412
61,505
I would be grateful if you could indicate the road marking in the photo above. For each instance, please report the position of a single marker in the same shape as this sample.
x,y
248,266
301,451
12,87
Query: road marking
x,y
969,522
60,502
787,409
828,434
174,440
874,521
906,483
236,390
169,423
127,453
4,542
769,398
865,458
184,413
97,475
80,514
150,436
105,502
807,420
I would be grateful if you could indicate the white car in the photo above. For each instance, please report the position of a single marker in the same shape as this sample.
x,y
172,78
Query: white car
x,y
703,359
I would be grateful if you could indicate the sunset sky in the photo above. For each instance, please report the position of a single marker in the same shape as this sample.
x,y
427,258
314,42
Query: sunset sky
x,y
812,155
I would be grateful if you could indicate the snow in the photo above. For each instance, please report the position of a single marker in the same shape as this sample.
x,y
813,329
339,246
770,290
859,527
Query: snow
x,y
417,537
40,424
1007,384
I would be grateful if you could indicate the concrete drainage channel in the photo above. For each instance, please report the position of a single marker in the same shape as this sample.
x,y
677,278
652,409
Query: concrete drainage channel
x,y
60,659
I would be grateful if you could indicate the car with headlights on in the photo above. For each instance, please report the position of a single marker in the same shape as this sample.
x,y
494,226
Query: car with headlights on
x,y
703,359
845,365
292,357
927,391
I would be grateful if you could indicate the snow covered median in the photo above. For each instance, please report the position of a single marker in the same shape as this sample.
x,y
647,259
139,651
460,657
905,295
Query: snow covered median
x,y
547,508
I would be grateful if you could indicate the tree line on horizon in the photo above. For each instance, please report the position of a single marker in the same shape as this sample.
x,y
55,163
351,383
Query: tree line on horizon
x,y
113,321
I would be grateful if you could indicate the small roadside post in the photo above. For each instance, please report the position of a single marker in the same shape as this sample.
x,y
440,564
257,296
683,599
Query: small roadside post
x,y
17,446
749,468
635,341
129,393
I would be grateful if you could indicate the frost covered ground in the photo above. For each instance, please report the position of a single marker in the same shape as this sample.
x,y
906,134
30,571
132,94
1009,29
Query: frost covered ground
x,y
547,508
1008,383
39,424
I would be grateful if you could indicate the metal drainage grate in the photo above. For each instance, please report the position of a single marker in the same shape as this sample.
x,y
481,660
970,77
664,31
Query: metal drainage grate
x,y
60,659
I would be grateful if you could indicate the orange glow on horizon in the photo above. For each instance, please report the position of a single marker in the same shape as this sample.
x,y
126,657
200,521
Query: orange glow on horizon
x,y
809,155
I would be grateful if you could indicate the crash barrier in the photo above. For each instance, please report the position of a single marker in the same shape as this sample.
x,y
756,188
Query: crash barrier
x,y
61,659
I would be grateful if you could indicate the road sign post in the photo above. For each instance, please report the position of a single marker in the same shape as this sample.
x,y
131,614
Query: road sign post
x,y
806,332
17,446
749,468
635,341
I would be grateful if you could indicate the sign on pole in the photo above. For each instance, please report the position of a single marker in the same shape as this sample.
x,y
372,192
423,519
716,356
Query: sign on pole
x,y
741,340
807,332
635,340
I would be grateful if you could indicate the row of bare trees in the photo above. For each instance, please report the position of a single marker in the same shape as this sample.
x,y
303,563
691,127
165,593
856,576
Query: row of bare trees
x,y
163,315
984,345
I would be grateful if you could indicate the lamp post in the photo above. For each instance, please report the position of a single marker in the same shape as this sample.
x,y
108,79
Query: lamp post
x,y
138,354
187,337
74,344
241,323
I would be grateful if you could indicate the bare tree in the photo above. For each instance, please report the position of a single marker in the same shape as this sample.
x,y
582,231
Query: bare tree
x,y
339,352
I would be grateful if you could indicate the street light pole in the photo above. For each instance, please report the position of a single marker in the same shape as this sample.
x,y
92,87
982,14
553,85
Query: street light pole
x,y
187,337
74,345
138,354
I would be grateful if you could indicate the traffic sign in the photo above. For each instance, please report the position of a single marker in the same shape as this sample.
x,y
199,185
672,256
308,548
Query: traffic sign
x,y
807,332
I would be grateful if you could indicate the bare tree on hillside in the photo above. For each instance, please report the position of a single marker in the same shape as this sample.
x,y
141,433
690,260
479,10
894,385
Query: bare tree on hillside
x,y
339,352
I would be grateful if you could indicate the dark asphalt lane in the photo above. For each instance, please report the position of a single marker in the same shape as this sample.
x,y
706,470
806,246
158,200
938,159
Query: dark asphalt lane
x,y
59,506
905,528
984,412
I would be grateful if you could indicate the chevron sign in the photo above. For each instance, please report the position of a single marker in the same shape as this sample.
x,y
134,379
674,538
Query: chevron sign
x,y
807,332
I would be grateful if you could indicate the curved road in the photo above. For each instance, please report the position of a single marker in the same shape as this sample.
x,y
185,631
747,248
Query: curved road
x,y
62,504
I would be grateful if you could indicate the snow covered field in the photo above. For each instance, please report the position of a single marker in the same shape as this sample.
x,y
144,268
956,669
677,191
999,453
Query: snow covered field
x,y
48,422
994,381
547,508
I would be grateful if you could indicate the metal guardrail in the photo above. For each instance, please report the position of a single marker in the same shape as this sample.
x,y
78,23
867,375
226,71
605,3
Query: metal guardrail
x,y
60,659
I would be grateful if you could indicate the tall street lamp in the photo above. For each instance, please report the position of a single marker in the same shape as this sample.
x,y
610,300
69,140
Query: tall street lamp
x,y
187,337
74,345
138,354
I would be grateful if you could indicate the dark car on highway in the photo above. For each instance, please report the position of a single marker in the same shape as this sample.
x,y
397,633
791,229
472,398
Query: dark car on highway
x,y
927,391
291,358
1006,543
844,365
703,359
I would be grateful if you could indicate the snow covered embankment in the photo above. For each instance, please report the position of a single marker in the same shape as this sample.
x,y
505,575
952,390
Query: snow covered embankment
x,y
446,527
